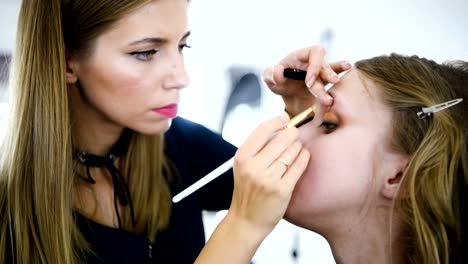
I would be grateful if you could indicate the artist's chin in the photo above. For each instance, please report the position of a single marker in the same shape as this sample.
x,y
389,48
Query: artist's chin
x,y
158,128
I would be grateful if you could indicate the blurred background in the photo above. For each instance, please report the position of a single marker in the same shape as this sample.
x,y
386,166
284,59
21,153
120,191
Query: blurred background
x,y
233,41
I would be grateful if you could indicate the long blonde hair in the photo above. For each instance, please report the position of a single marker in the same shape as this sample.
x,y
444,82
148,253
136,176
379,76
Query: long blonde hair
x,y
435,182
36,173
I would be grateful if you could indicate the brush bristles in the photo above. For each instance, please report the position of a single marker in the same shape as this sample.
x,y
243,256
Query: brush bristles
x,y
302,116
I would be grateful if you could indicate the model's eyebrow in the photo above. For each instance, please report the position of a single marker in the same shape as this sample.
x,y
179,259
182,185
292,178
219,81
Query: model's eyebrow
x,y
348,104
156,41
332,94
336,96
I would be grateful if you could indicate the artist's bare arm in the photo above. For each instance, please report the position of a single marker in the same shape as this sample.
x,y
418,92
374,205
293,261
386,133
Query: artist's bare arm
x,y
232,242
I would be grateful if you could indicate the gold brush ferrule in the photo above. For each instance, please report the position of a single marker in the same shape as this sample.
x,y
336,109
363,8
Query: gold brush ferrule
x,y
302,116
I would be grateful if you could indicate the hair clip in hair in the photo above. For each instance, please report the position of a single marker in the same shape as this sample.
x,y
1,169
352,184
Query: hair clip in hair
x,y
427,111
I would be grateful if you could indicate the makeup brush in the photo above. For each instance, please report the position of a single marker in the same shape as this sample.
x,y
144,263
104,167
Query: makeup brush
x,y
228,164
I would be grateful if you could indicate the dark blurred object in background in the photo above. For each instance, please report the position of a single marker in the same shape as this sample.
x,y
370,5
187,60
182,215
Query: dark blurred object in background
x,y
4,63
245,89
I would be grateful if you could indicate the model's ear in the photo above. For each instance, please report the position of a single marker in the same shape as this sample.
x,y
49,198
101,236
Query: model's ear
x,y
394,176
70,73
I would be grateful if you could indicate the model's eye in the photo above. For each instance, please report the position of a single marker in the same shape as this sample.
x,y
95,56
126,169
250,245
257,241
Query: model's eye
x,y
328,126
144,55
183,46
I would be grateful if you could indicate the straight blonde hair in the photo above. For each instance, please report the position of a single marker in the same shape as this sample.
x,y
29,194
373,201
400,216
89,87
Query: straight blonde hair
x,y
36,173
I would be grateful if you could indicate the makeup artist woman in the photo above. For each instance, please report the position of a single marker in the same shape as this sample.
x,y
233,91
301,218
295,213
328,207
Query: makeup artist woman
x,y
88,169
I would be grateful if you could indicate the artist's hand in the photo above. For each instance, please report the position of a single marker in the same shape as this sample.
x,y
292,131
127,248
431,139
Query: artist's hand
x,y
299,95
263,184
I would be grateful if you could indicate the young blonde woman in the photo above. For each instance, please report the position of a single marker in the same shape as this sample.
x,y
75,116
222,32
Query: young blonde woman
x,y
387,181
91,160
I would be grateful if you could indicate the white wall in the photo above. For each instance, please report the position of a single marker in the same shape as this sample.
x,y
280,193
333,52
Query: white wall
x,y
8,13
257,33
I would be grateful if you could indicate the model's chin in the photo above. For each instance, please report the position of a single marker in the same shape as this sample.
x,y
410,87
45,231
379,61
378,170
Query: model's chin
x,y
291,217
295,207
290,210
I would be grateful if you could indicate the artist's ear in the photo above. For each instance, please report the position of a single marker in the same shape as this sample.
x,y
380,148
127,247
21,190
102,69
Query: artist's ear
x,y
70,73
394,176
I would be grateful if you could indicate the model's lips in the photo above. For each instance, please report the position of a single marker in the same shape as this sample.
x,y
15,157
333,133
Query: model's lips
x,y
168,110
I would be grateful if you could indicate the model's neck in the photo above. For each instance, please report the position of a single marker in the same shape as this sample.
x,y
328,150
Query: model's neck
x,y
369,240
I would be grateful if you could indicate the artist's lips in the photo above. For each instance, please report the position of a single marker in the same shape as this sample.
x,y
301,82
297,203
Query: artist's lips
x,y
168,110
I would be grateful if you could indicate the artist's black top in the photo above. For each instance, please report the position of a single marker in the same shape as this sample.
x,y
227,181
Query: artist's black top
x,y
196,151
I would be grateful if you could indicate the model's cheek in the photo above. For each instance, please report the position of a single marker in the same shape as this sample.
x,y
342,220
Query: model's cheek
x,y
307,133
311,180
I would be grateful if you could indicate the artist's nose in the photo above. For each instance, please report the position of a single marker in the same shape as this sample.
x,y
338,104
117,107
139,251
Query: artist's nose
x,y
176,77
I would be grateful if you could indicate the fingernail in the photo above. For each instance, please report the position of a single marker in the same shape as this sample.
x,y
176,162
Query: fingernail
x,y
334,77
268,74
346,65
312,92
310,81
329,98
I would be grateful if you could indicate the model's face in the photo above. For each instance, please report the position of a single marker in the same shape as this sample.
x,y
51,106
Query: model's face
x,y
348,146
136,70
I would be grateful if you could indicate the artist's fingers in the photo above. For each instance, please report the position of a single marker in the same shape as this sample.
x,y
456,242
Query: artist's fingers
x,y
319,73
330,71
278,144
316,62
273,75
260,136
280,165
308,58
318,90
295,171
340,66
328,74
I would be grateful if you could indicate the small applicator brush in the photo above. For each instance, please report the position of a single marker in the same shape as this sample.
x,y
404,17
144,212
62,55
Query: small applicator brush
x,y
296,120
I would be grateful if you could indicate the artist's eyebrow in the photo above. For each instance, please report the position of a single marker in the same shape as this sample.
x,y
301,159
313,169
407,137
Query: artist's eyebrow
x,y
156,41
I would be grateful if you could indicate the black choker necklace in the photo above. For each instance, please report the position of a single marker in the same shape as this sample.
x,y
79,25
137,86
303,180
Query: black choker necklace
x,y
121,190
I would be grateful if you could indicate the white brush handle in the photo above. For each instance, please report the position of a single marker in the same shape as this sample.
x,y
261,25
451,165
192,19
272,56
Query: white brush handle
x,y
203,181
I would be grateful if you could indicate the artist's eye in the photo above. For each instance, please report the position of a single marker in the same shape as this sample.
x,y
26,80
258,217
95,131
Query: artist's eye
x,y
328,126
144,55
184,46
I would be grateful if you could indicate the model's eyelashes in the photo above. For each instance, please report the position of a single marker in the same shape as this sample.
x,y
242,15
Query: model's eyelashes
x,y
329,123
144,55
328,126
